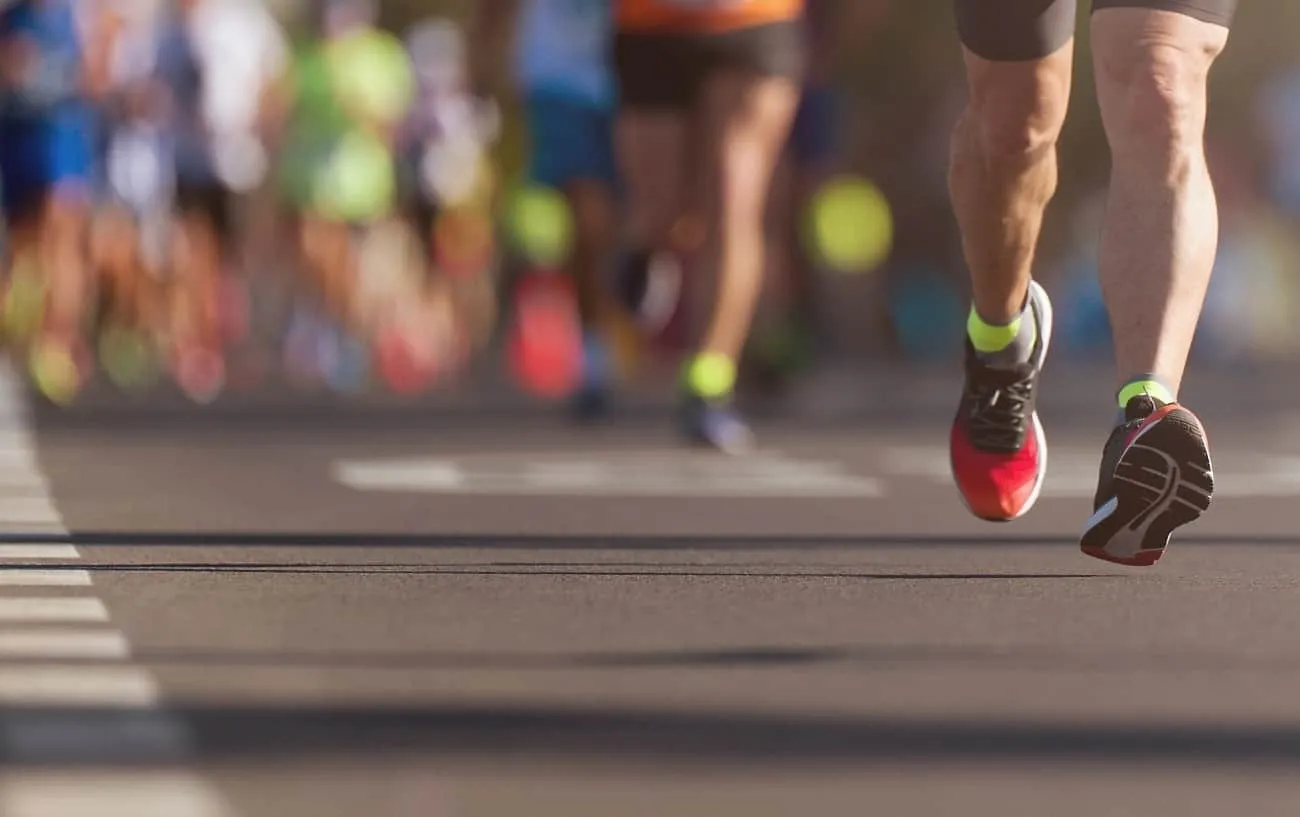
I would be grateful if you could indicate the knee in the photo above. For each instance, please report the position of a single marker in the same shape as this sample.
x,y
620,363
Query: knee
x,y
1153,101
1016,113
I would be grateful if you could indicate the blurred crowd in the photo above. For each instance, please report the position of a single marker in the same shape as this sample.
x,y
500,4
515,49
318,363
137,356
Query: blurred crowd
x,y
194,194
210,194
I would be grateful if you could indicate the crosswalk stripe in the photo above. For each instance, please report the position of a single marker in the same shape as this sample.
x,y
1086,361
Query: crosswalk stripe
x,y
38,552
52,610
45,643
21,577
77,685
28,510
125,794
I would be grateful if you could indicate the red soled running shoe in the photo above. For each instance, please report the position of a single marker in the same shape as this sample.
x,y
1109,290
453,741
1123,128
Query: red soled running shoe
x,y
997,448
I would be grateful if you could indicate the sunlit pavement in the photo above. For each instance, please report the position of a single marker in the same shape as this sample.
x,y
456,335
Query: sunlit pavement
x,y
468,616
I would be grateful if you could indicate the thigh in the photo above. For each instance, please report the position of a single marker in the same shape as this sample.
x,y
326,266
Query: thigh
x,y
1015,30
747,121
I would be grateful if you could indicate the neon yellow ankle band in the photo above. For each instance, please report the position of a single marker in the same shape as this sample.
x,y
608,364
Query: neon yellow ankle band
x,y
986,337
1154,388
711,375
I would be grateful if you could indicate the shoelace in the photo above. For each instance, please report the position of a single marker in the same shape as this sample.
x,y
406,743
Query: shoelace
x,y
999,413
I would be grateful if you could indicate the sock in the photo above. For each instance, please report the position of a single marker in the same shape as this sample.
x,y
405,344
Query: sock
x,y
1004,345
1145,384
710,375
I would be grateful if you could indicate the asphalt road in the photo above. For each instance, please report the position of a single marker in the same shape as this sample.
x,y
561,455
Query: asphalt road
x,y
516,618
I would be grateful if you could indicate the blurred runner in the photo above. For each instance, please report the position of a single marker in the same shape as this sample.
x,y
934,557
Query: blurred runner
x,y
706,86
448,183
46,155
243,55
133,213
561,66
201,242
352,88
1153,59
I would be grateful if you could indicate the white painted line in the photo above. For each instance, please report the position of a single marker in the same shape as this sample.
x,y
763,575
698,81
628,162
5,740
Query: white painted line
x,y
102,645
22,482
18,457
426,476
38,552
77,686
129,794
33,610
33,728
28,510
26,531
756,477
21,577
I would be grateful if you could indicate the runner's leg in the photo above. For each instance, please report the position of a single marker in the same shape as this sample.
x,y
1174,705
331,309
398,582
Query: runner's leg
x,y
1161,226
658,79
1004,170
1018,57
753,114
1158,243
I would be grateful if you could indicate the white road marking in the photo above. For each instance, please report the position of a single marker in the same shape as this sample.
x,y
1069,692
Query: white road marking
x,y
38,552
106,645
77,685
27,510
38,610
651,474
136,794
21,577
120,716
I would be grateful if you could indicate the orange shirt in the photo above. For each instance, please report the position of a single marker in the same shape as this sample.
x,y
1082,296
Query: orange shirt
x,y
703,16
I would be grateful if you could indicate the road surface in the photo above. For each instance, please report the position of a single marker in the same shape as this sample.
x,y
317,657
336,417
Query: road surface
x,y
497,617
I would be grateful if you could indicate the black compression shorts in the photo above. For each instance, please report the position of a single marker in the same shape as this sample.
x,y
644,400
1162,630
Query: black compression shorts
x,y
1017,30
668,69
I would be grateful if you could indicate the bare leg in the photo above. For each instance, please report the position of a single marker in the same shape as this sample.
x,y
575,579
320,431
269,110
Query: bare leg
x,y
593,210
652,147
755,115
1161,226
1004,172
63,250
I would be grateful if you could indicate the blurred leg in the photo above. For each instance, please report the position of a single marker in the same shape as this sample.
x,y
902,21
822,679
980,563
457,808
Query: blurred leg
x,y
594,220
754,115
63,250
652,147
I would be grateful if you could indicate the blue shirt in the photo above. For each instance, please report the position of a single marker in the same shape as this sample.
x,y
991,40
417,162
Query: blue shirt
x,y
50,88
563,48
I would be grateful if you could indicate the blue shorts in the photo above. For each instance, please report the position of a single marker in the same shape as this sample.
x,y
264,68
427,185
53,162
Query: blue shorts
x,y
571,141
38,159
815,136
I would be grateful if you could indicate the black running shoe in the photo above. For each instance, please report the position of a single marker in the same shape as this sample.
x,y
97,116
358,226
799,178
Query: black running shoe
x,y
1155,476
